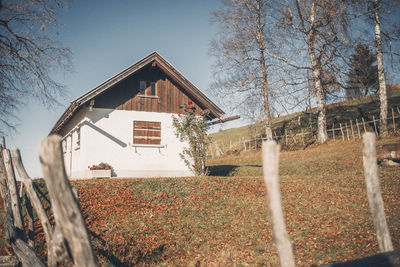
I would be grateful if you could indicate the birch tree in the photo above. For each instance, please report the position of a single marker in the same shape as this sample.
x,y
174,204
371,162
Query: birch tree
x,y
319,25
241,67
29,55
382,16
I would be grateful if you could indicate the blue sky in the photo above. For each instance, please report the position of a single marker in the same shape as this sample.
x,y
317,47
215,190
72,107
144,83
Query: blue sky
x,y
109,36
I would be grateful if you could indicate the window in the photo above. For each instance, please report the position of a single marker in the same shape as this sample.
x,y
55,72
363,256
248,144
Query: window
x,y
142,87
153,89
147,132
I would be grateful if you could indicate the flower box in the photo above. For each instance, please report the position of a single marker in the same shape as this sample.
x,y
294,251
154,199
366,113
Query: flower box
x,y
100,173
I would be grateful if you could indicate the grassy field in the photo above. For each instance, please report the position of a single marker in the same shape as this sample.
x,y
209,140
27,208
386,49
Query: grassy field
x,y
222,220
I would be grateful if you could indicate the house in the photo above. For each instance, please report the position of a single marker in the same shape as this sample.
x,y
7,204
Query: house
x,y
127,122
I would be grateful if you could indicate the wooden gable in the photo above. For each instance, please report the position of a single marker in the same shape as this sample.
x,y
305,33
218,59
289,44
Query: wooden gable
x,y
167,98
122,92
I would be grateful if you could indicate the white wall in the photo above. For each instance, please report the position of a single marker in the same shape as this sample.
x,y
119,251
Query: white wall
x,y
107,136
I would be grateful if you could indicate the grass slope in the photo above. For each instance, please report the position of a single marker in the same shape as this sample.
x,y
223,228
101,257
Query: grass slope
x,y
366,107
217,221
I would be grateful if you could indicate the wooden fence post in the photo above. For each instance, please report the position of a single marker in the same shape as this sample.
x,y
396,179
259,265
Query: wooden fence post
x,y
302,136
374,193
271,179
31,220
347,131
3,180
365,130
57,252
333,132
64,204
294,138
394,122
352,130
341,130
358,129
376,131
285,137
12,187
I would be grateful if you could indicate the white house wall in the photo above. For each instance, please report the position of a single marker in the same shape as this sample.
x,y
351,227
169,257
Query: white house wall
x,y
73,155
106,135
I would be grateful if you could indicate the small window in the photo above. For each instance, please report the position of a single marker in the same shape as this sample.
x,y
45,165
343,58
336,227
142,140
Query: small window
x,y
147,132
142,87
153,89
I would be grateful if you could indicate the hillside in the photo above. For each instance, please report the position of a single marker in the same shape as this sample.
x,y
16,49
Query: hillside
x,y
218,221
343,113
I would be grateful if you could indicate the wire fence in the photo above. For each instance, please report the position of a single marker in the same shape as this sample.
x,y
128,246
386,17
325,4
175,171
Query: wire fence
x,y
288,139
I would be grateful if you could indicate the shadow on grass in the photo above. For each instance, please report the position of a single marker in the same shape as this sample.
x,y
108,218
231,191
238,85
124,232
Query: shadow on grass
x,y
149,258
230,170
106,253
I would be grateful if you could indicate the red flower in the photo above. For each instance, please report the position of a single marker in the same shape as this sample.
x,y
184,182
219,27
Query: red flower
x,y
190,103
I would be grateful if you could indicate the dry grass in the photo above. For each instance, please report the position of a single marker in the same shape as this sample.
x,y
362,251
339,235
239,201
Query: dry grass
x,y
218,221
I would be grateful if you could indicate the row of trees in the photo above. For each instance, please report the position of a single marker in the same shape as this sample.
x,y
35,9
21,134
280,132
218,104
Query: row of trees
x,y
274,54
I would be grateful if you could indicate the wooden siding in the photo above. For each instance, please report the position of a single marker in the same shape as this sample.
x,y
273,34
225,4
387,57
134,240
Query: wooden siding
x,y
126,94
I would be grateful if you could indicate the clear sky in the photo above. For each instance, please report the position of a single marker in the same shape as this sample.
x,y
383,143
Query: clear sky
x,y
109,36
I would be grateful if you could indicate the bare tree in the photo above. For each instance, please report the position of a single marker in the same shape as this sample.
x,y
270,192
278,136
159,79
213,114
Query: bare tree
x,y
382,15
29,55
381,69
240,52
319,25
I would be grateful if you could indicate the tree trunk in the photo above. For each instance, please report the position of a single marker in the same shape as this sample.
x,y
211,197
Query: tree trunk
x,y
317,71
381,71
261,48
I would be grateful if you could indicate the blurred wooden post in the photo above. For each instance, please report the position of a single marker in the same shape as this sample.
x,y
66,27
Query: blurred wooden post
x,y
376,130
365,130
398,110
271,179
31,220
374,192
65,207
3,180
341,130
352,129
12,187
333,131
55,250
347,131
358,129
394,122
302,136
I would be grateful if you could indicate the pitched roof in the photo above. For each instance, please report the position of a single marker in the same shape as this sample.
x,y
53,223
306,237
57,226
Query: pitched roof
x,y
153,58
